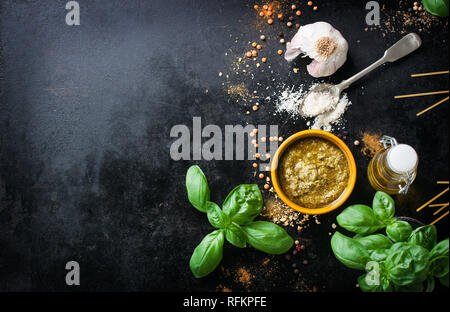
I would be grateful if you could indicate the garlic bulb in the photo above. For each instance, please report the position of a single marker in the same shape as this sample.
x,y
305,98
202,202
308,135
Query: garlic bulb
x,y
321,42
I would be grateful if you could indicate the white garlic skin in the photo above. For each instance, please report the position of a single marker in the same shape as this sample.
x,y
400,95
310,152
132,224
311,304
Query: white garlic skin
x,y
304,42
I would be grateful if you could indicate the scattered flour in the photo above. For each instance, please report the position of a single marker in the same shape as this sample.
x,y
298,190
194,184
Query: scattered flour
x,y
288,100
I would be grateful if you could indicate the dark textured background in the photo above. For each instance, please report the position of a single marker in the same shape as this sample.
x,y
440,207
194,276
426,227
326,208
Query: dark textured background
x,y
85,170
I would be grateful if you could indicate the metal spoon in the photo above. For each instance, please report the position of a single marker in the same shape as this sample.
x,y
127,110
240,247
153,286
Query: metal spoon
x,y
401,48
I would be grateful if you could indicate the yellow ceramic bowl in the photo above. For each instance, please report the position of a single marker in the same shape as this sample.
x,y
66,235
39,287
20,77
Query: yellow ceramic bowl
x,y
331,138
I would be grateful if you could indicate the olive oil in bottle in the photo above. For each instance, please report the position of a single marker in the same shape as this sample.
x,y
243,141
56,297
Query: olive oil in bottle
x,y
394,168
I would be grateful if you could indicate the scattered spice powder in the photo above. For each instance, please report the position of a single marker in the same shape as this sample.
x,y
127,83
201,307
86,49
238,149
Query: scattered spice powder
x,y
222,288
371,142
244,277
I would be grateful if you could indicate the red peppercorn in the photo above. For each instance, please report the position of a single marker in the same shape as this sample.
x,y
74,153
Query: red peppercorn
x,y
298,247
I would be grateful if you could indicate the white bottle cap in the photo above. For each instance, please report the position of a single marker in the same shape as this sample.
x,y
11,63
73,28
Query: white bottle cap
x,y
402,158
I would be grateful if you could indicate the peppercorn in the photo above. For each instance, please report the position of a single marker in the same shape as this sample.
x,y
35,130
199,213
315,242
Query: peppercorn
x,y
262,37
296,271
254,53
249,54
280,15
293,7
305,262
294,265
282,40
256,7
315,8
289,24
259,47
255,165
298,13
261,175
280,52
270,21
261,13
297,26
298,248
265,6
296,242
291,18
310,3
264,60
266,186
255,108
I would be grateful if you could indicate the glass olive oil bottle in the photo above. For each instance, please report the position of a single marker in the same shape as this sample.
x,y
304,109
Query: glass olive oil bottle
x,y
394,168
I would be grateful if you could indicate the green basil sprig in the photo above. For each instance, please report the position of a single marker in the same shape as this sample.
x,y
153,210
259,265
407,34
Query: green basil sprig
x,y
403,260
234,223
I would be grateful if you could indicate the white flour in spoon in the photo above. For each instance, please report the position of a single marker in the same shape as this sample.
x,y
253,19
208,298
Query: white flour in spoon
x,y
317,103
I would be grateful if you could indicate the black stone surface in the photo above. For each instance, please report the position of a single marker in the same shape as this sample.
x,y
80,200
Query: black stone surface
x,y
86,112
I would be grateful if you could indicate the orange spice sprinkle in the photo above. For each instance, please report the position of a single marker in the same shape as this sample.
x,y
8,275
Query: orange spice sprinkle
x,y
257,155
310,3
249,54
255,108
266,186
261,13
265,6
254,44
259,47
269,13
255,165
256,7
270,21
261,175
280,52
264,60
254,53
280,15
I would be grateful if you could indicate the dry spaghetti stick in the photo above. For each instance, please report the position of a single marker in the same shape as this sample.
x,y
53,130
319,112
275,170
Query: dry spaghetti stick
x,y
438,205
433,199
440,209
419,94
442,182
430,74
432,106
443,216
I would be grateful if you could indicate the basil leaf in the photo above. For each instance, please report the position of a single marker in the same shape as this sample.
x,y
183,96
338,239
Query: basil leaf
x,y
399,231
243,203
268,237
216,216
379,281
407,263
197,188
374,242
208,254
436,7
359,219
444,280
383,206
430,284
424,236
349,251
439,259
235,235
379,255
